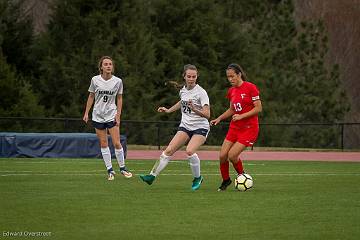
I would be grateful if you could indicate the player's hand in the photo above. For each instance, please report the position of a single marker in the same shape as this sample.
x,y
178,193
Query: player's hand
x,y
117,120
86,118
191,104
236,117
214,122
162,109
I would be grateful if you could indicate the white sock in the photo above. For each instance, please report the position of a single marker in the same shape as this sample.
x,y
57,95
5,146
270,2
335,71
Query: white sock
x,y
160,164
105,152
119,153
194,162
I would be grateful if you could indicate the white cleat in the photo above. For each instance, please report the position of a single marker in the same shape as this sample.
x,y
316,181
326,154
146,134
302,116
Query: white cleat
x,y
111,175
126,172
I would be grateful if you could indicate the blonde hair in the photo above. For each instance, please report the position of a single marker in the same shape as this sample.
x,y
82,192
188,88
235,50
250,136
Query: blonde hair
x,y
174,84
101,61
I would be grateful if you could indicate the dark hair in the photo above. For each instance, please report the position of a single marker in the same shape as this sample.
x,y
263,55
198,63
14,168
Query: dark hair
x,y
191,67
101,61
237,69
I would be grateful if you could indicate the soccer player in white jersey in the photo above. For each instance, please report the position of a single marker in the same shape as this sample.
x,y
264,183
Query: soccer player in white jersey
x,y
193,130
106,90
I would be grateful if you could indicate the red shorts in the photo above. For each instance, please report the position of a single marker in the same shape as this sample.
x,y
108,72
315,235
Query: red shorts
x,y
246,136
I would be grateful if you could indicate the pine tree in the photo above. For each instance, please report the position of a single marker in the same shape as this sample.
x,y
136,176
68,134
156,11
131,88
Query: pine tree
x,y
17,96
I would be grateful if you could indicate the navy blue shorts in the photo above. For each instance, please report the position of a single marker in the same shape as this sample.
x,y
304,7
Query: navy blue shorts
x,y
104,125
200,131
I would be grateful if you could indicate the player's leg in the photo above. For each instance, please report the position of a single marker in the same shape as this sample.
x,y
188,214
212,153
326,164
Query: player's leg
x,y
119,152
105,151
195,142
234,156
179,140
224,164
245,138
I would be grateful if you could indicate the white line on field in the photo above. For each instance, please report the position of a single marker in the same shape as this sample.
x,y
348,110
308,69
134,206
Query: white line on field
x,y
131,162
91,173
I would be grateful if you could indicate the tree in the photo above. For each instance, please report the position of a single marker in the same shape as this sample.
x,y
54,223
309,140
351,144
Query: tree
x,y
150,42
17,37
79,33
17,96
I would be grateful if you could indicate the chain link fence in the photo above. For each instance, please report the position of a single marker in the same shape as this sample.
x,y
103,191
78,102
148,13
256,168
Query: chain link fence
x,y
338,136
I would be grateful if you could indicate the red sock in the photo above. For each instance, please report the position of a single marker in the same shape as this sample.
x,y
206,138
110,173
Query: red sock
x,y
239,166
224,169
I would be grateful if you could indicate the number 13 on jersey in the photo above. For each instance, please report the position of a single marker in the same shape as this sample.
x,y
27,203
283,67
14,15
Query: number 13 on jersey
x,y
237,107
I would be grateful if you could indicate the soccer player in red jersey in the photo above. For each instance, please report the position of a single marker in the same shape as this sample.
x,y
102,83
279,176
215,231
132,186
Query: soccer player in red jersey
x,y
243,131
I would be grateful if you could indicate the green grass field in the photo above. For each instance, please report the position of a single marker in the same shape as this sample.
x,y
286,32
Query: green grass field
x,y
71,199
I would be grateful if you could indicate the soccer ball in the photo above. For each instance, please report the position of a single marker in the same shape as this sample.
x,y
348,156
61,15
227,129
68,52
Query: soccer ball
x,y
243,182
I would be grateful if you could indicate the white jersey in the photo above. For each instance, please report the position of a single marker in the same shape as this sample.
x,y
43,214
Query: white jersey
x,y
189,119
106,92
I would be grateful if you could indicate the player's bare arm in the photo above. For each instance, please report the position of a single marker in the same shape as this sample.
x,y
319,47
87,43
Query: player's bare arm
x,y
175,107
204,112
89,103
119,104
228,113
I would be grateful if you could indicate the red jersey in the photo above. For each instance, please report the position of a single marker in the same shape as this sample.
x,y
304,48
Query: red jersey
x,y
242,100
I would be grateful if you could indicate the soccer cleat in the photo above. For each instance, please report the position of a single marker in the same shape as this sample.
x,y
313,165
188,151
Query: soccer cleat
x,y
224,185
196,183
125,172
149,179
111,174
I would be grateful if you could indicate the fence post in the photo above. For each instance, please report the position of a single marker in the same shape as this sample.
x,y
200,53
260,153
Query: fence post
x,y
158,135
342,136
66,124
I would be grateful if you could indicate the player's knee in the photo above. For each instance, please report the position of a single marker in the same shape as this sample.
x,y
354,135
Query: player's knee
x,y
168,151
103,144
223,157
233,158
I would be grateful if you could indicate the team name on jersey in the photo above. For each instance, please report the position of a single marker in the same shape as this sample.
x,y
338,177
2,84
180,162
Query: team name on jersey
x,y
106,92
184,103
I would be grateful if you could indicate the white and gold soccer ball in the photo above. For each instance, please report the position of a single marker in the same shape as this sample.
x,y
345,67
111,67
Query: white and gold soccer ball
x,y
243,182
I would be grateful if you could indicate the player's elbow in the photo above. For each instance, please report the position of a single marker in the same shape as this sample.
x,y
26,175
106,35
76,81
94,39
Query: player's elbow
x,y
258,107
206,112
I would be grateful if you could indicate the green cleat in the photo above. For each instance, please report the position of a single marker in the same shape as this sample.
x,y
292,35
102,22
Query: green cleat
x,y
149,179
196,183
